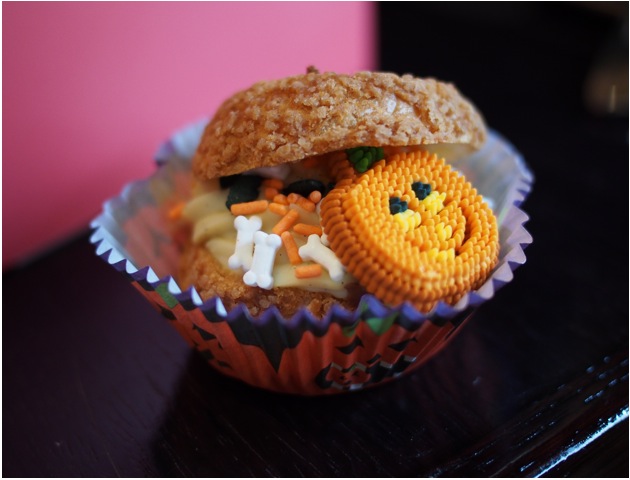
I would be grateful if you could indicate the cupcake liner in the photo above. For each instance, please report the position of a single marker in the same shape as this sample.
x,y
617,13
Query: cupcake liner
x,y
344,350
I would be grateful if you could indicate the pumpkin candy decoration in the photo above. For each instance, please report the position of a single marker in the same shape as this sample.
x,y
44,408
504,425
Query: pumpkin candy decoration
x,y
440,246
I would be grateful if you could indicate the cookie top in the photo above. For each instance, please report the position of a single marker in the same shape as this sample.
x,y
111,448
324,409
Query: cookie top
x,y
286,120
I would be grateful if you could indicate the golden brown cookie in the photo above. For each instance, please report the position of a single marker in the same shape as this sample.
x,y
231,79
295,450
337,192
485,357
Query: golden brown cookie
x,y
293,118
411,229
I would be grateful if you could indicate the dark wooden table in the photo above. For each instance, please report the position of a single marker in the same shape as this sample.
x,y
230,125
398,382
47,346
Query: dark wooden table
x,y
96,383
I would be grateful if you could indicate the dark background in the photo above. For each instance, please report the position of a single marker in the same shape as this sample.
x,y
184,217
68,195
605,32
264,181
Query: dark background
x,y
535,384
526,66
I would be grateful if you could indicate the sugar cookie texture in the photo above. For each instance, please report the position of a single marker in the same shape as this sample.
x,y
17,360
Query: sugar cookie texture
x,y
286,120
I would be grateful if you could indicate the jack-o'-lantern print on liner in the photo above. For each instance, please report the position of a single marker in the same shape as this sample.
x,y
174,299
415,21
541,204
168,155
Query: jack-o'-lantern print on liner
x,y
345,351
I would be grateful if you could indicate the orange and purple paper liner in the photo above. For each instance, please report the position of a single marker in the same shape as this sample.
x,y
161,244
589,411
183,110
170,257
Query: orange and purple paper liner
x,y
345,350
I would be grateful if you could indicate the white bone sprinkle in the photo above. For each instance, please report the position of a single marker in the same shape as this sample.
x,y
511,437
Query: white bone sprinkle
x,y
316,251
244,250
265,248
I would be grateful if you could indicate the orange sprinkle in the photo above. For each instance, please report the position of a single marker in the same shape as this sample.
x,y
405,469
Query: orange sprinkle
x,y
308,271
315,196
293,197
278,208
286,222
249,208
304,229
273,183
270,192
176,210
291,247
282,199
306,204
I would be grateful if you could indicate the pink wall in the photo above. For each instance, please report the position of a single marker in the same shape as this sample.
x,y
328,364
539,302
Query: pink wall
x,y
91,89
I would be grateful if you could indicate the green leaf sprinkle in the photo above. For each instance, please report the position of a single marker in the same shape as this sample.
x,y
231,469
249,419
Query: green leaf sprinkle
x,y
362,158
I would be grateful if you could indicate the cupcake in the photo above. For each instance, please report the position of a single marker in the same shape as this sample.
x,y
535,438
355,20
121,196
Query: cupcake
x,y
327,232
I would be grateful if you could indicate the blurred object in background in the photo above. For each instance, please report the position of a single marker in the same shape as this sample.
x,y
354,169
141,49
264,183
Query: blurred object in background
x,y
90,90
606,86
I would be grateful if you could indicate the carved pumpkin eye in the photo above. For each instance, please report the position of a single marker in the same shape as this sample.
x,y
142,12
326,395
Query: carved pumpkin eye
x,y
422,190
396,205
410,219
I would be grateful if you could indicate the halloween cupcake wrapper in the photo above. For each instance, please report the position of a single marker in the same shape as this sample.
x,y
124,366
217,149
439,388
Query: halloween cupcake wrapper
x,y
343,351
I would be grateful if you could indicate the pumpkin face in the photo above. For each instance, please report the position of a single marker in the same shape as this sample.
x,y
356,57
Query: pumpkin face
x,y
411,229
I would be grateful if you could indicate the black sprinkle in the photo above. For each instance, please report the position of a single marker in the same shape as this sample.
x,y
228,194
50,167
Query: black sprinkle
x,y
244,188
304,187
